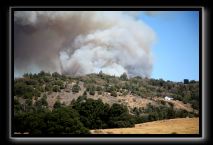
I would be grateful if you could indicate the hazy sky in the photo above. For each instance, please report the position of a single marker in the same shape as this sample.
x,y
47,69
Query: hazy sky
x,y
154,44
176,51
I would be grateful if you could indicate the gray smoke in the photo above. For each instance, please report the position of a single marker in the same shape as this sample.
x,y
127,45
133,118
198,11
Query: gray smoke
x,y
79,43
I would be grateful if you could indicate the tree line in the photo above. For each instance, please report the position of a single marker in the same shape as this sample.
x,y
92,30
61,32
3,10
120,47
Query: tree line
x,y
84,114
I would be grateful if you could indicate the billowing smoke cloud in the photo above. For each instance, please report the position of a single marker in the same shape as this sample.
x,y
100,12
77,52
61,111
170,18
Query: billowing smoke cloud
x,y
79,43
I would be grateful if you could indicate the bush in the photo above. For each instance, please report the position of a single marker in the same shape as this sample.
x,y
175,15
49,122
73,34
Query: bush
x,y
91,90
56,89
114,94
31,82
28,102
60,84
85,93
195,104
76,88
44,101
57,104
48,88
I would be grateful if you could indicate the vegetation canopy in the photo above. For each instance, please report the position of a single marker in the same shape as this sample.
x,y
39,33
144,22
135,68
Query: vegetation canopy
x,y
46,103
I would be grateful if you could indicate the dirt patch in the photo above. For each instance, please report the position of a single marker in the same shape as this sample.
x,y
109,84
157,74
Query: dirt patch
x,y
131,101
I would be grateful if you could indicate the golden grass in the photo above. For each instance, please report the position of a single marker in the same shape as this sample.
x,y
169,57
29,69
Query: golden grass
x,y
171,126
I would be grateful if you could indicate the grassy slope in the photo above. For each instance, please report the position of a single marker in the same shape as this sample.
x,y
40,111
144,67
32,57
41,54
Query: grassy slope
x,y
178,126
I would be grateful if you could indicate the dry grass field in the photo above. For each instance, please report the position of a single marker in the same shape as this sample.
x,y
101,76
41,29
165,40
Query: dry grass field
x,y
171,126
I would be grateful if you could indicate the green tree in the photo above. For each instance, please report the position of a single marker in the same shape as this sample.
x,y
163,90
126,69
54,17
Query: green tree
x,y
186,81
100,73
124,76
93,113
56,75
65,121
119,117
41,73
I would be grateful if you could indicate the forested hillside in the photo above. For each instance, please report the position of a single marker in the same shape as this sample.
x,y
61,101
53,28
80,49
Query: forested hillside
x,y
46,103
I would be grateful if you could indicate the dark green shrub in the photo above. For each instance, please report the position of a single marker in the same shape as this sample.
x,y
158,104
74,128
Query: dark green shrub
x,y
76,88
113,93
56,88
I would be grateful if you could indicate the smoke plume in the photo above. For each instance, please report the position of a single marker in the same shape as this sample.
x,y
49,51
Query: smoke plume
x,y
78,43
